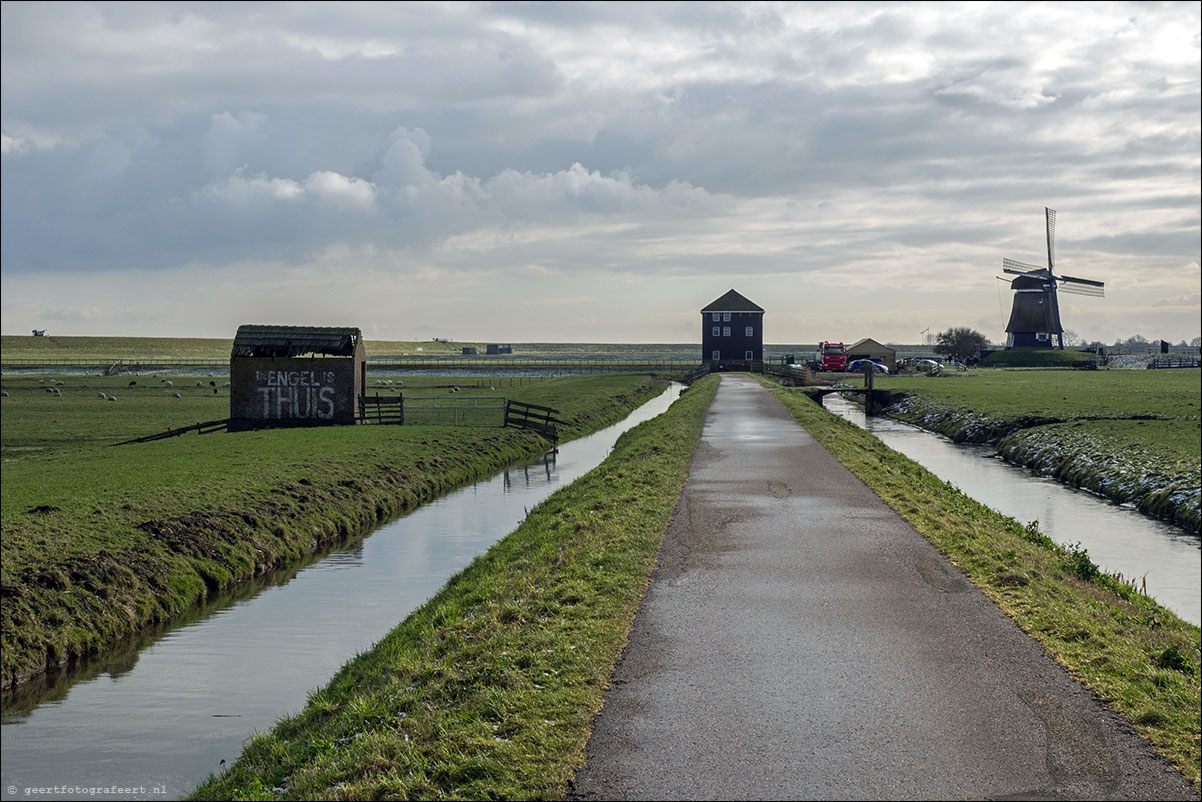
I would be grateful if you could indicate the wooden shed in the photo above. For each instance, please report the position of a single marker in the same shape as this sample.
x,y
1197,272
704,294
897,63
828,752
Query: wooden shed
x,y
296,376
869,348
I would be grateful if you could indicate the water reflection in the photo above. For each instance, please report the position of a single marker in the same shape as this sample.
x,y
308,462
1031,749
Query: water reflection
x,y
168,709
1117,537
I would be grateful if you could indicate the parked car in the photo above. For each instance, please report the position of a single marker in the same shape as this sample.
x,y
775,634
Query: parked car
x,y
858,366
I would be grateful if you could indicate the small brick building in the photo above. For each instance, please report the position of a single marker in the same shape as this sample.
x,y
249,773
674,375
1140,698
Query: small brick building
x,y
296,376
732,334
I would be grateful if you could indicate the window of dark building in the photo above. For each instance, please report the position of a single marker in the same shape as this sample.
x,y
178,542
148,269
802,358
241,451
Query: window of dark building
x,y
747,333
726,331
726,317
717,330
716,317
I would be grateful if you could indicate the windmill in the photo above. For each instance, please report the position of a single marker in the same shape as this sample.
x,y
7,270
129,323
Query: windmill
x,y
1035,316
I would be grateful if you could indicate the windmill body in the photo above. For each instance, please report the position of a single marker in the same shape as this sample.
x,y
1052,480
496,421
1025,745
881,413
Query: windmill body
x,y
1035,316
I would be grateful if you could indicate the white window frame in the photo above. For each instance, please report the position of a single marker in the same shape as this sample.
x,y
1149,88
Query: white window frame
x,y
716,355
749,355
717,331
726,331
749,331
726,317
716,317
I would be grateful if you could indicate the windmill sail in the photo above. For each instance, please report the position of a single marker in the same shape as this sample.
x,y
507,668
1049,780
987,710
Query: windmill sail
x,y
1035,316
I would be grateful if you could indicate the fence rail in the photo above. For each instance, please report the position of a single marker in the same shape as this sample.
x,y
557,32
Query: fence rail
x,y
533,417
495,364
1175,362
200,428
383,409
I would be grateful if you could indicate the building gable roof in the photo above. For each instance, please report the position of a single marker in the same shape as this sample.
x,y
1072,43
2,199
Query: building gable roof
x,y
289,341
732,302
868,342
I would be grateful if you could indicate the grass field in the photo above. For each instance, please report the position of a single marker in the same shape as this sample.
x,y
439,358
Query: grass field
x,y
1140,658
1060,395
99,541
1133,436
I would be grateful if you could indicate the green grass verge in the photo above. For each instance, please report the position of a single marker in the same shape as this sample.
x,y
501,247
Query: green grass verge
x,y
1153,463
488,690
1050,359
98,542
992,403
1131,436
1140,658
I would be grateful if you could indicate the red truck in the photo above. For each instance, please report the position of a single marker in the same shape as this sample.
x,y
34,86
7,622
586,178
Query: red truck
x,y
832,356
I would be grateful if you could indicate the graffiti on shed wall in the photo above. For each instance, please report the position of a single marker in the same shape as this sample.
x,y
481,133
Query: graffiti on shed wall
x,y
292,392
296,394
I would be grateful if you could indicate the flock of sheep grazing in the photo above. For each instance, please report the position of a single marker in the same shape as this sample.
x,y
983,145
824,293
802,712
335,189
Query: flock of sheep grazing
x,y
53,385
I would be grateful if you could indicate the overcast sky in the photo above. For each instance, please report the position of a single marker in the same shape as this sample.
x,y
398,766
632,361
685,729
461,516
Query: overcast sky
x,y
595,172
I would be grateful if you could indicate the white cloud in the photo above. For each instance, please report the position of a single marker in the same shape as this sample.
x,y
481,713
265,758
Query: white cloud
x,y
240,191
12,145
348,191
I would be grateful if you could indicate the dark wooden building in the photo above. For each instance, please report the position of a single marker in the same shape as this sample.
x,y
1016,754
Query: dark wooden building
x,y
296,376
732,334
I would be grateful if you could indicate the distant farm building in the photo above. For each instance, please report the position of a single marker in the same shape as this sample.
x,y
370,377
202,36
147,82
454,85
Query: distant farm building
x,y
869,348
468,351
732,333
499,349
296,376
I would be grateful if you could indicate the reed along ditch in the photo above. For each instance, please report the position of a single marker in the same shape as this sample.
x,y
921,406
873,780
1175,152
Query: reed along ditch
x,y
155,722
1117,537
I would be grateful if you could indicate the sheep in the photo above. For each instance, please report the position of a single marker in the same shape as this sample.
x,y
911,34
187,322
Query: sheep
x,y
168,383
133,384
227,384
212,384
50,390
3,393
199,384
112,398
176,395
101,396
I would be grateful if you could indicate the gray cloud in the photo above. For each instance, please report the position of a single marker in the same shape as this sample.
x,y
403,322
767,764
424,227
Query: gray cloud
x,y
667,140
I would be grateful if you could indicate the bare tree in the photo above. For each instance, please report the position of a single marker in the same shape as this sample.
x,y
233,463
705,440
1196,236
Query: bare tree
x,y
1069,337
960,343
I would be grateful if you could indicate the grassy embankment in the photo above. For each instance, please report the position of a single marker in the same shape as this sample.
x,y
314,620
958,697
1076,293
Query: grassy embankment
x,y
1133,436
98,543
488,690
1046,359
1139,658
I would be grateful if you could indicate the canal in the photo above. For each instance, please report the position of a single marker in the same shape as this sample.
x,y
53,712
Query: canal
x,y
153,720
1118,537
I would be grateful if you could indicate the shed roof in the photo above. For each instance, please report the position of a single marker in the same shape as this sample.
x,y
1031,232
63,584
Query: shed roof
x,y
732,302
288,341
868,342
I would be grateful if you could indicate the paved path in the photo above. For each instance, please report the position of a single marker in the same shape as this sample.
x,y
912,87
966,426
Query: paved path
x,y
800,640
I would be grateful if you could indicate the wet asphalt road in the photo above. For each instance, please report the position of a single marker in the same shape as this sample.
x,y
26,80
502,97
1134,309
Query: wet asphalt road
x,y
801,641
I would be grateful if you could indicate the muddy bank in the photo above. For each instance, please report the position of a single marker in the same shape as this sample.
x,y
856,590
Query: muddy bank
x,y
1102,456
